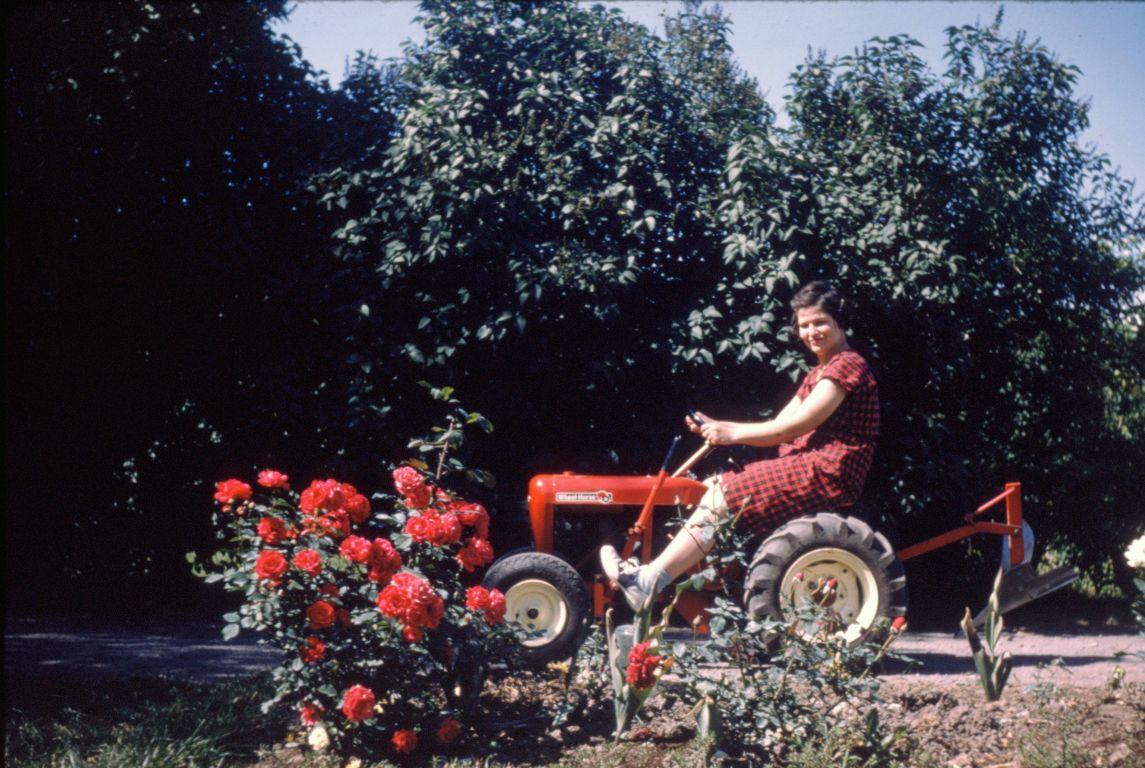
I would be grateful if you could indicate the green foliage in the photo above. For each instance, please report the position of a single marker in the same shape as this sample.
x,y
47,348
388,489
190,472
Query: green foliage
x,y
156,227
350,593
544,209
117,725
583,225
990,259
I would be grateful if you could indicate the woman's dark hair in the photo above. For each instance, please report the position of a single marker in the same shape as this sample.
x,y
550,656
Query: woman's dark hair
x,y
822,295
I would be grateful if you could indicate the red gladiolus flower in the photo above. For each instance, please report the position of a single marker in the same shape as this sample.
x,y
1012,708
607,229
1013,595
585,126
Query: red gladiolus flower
x,y
310,713
642,667
308,561
314,650
356,549
320,614
385,561
358,703
448,731
270,565
405,741
411,601
272,478
899,624
476,553
272,530
232,490
488,602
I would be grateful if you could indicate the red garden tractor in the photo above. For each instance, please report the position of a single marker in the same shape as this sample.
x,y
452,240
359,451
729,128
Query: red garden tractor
x,y
553,596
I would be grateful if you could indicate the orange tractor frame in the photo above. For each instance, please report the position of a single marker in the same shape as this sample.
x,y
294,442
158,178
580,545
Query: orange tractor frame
x,y
537,582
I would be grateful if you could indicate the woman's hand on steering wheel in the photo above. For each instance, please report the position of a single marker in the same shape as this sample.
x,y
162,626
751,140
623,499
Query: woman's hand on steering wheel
x,y
718,432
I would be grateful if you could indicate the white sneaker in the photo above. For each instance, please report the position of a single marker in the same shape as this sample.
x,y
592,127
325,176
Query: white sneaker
x,y
625,574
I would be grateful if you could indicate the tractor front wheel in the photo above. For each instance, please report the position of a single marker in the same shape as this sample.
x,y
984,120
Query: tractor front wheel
x,y
803,554
546,597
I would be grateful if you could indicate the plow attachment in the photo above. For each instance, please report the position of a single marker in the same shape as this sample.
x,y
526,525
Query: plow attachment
x,y
1022,585
1019,583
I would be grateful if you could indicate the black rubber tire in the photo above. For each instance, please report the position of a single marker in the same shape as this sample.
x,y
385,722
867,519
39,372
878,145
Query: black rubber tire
x,y
513,569
798,537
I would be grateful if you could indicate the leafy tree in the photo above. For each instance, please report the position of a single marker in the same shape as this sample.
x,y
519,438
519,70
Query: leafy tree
x,y
162,295
532,229
985,249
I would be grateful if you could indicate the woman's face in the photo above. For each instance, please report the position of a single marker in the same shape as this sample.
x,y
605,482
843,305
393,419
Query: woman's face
x,y
819,332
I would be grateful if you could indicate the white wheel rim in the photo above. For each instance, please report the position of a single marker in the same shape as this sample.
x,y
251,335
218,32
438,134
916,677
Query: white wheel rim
x,y
539,608
856,594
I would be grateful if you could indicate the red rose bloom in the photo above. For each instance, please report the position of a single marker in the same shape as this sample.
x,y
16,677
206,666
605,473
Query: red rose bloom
x,y
272,478
336,524
642,667
385,561
472,516
405,741
310,713
476,553
356,549
321,614
328,589
448,731
358,703
488,602
412,486
343,617
270,565
272,530
407,479
358,507
411,601
314,650
229,491
308,561
323,495
429,527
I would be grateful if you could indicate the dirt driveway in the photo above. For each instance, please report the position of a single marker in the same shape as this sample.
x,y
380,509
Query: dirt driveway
x,y
36,648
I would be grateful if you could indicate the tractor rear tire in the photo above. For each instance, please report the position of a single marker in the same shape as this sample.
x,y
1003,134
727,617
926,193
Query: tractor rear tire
x,y
871,582
546,597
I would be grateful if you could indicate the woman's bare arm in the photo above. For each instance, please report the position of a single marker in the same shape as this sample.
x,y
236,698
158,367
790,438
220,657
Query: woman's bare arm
x,y
797,418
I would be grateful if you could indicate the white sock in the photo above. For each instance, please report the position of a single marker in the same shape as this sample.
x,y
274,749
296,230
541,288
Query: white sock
x,y
652,578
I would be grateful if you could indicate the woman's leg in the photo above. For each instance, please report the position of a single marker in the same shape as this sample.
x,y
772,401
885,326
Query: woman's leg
x,y
686,548
697,536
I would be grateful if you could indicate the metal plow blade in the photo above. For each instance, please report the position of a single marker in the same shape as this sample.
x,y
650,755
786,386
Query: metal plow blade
x,y
1023,585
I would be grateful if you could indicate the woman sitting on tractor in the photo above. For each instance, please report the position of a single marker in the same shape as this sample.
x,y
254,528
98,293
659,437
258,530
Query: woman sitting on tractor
x,y
826,436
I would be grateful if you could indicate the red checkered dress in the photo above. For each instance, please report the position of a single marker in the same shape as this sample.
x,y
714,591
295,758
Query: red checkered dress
x,y
821,470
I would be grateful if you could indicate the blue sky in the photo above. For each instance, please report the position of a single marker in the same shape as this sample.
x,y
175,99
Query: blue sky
x,y
1104,39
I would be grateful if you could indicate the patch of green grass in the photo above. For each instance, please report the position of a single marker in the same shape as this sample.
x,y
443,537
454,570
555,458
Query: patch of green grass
x,y
172,724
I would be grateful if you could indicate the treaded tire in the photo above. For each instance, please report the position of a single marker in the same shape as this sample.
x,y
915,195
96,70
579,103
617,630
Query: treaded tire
x,y
872,580
544,594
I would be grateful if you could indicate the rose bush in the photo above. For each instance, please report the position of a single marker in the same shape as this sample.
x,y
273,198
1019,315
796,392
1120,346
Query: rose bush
x,y
384,631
